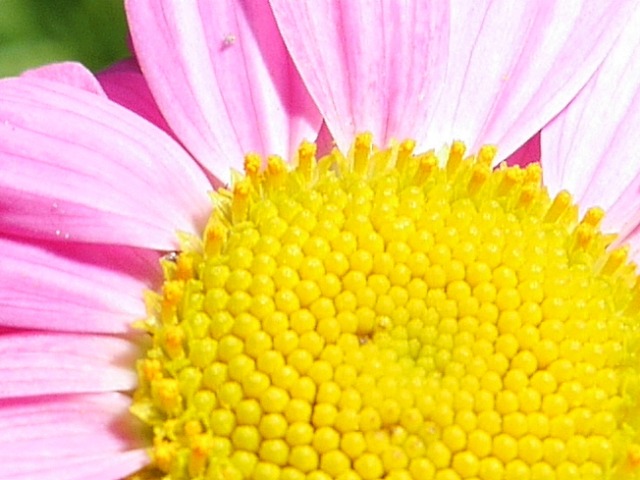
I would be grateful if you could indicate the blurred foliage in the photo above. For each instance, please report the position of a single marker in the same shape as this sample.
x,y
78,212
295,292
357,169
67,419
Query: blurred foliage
x,y
36,32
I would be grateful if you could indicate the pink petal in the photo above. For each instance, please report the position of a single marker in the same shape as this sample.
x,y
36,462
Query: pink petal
x,y
485,72
36,363
76,166
591,148
74,287
109,466
365,62
124,84
69,73
222,78
37,429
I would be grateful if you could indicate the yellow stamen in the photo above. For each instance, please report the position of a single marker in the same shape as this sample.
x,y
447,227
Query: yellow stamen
x,y
593,217
427,164
240,204
616,259
404,153
276,171
486,155
560,205
456,153
361,153
479,177
252,166
307,159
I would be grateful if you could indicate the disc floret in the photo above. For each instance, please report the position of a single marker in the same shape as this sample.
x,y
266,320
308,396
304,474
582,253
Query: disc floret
x,y
393,315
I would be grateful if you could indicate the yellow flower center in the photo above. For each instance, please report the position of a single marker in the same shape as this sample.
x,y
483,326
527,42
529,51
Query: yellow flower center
x,y
382,316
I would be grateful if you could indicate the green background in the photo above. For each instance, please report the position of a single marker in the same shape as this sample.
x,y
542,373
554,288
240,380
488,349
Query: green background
x,y
36,32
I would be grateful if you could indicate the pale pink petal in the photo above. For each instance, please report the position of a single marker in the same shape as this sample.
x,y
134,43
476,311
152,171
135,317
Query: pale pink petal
x,y
70,73
45,363
485,72
41,428
222,78
74,287
124,84
101,466
591,149
370,65
524,62
76,166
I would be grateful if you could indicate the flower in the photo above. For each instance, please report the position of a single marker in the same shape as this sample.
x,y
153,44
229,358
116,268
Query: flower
x,y
372,313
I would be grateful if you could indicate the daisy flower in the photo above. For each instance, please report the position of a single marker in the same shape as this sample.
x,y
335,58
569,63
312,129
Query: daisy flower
x,y
191,289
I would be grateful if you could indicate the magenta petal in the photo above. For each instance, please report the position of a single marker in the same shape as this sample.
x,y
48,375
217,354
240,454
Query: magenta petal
x,y
66,426
527,153
124,84
70,73
36,363
222,78
101,466
591,148
78,167
485,72
74,287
